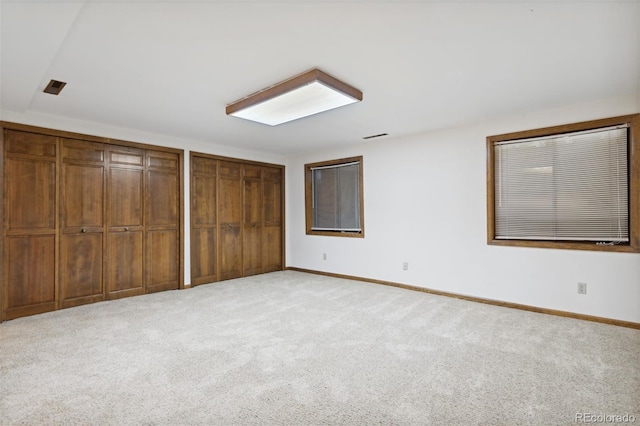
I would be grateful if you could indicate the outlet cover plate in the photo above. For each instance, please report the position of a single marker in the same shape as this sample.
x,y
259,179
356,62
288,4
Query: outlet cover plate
x,y
582,288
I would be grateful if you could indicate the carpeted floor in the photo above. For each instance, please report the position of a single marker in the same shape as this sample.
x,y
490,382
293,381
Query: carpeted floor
x,y
293,348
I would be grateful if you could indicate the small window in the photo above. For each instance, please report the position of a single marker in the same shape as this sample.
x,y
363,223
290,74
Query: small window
x,y
572,186
333,195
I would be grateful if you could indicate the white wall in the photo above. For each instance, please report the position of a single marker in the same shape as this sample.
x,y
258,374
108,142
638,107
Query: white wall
x,y
95,129
413,181
425,203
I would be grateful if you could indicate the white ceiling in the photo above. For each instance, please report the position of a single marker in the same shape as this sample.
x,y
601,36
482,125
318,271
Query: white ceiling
x,y
170,67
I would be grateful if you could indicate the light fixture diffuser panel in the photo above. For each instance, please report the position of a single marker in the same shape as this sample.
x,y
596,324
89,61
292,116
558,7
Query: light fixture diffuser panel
x,y
301,102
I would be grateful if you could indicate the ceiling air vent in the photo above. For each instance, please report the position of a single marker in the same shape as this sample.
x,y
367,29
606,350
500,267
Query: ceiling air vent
x,y
54,87
379,135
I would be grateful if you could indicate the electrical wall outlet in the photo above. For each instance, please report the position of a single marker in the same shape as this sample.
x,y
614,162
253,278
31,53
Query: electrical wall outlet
x,y
405,266
324,256
582,288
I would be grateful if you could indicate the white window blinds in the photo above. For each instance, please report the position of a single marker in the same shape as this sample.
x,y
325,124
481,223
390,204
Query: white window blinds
x,y
568,187
336,197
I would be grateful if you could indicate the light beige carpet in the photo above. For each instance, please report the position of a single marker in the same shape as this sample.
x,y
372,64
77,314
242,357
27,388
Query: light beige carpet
x,y
293,348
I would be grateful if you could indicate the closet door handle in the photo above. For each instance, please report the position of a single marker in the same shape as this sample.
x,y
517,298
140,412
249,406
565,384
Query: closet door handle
x,y
126,228
83,230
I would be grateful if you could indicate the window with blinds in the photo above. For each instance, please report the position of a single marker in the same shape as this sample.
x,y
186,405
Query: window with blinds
x,y
566,187
573,187
334,197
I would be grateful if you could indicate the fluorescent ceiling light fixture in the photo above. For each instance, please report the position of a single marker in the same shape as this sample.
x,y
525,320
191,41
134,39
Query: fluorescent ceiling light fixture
x,y
306,94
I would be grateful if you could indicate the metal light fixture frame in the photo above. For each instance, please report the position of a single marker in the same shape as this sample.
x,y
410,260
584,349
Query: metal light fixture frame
x,y
292,84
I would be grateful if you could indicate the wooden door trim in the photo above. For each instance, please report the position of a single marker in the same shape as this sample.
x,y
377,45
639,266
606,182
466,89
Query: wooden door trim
x,y
218,233
283,192
57,287
236,160
83,137
3,278
40,308
495,302
181,182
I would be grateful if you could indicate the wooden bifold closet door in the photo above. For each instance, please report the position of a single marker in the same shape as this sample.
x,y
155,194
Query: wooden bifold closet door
x,y
30,224
252,225
162,244
236,218
272,228
86,220
125,222
203,220
230,220
82,236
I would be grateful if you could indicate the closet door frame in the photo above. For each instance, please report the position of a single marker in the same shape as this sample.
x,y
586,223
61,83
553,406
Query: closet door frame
x,y
220,158
2,237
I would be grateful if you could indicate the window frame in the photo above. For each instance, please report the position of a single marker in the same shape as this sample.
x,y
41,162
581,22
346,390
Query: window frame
x,y
308,196
633,246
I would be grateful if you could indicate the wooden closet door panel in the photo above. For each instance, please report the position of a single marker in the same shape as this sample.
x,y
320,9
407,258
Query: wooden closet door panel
x,y
252,250
35,145
126,156
230,252
204,200
31,194
82,280
125,197
125,277
74,150
161,266
83,192
272,249
252,201
162,195
30,269
230,199
272,202
230,220
203,256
